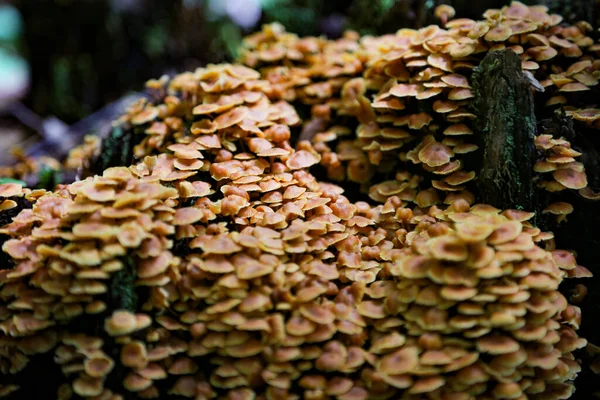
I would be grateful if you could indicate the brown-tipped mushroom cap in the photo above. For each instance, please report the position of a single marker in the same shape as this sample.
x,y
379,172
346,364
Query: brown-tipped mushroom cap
x,y
435,154
87,387
10,189
120,323
497,345
570,178
399,362
498,34
444,12
559,208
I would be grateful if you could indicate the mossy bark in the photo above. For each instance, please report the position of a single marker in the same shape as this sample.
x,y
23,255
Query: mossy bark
x,y
506,127
116,150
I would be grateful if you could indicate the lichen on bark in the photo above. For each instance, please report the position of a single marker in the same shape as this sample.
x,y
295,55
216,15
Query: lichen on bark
x,y
506,124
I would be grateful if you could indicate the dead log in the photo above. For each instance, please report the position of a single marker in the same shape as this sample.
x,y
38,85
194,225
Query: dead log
x,y
506,124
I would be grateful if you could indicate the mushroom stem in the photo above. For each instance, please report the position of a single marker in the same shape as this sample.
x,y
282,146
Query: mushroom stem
x,y
507,125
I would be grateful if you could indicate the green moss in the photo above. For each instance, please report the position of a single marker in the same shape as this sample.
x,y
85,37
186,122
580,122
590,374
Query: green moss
x,y
506,120
117,148
122,294
10,180
48,178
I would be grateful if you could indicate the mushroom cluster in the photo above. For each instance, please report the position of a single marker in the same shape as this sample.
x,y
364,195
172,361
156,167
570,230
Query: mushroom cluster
x,y
477,276
560,164
410,100
219,267
7,191
26,167
312,70
334,300
560,170
80,156
66,250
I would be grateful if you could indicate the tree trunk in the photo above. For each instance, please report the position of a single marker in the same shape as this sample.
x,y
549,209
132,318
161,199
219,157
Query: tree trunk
x,y
506,125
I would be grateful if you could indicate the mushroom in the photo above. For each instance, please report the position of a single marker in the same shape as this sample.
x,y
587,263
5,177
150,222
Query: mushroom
x,y
279,282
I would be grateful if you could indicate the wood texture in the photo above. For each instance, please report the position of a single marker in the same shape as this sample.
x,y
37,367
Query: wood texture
x,y
506,126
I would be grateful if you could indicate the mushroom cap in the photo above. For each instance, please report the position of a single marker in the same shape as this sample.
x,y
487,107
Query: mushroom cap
x,y
435,154
587,115
98,367
456,81
444,10
399,362
441,106
134,354
7,205
10,189
495,344
279,279
505,232
448,248
473,232
87,387
570,178
405,90
136,383
458,130
588,193
559,208
440,61
499,33
460,94
120,323
516,10
427,384
301,159
145,116
574,87
522,27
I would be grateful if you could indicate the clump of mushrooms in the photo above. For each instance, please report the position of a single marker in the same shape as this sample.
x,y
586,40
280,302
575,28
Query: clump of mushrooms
x,y
218,266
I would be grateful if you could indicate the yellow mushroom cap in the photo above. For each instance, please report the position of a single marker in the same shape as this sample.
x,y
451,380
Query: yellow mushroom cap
x,y
444,10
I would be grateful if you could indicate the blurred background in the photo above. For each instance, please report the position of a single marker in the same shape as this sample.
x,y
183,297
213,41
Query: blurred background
x,y
67,67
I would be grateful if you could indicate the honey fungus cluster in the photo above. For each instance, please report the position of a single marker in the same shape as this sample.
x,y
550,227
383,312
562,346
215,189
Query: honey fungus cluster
x,y
217,266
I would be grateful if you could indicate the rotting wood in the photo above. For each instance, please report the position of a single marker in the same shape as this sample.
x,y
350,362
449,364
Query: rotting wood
x,y
507,125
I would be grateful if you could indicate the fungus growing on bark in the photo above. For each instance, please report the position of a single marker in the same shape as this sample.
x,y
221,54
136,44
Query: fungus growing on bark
x,y
217,264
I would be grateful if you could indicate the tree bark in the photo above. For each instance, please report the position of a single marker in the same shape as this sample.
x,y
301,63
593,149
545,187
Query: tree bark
x,y
506,124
